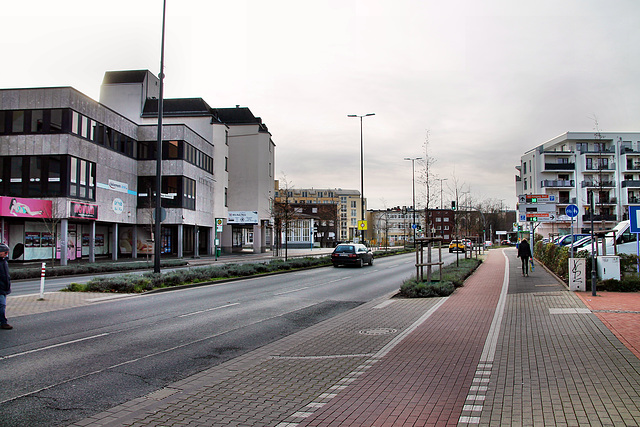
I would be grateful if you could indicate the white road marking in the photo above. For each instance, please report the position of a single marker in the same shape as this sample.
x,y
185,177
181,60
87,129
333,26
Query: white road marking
x,y
209,309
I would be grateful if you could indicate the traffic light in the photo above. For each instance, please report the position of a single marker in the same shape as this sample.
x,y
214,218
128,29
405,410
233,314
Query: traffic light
x,y
453,205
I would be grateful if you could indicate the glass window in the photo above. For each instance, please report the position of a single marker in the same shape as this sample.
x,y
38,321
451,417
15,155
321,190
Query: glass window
x,y
3,115
37,121
172,151
35,174
55,125
54,176
75,123
15,183
73,177
85,125
18,122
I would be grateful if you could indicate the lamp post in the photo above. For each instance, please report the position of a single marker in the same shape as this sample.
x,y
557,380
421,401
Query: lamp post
x,y
413,191
157,247
361,169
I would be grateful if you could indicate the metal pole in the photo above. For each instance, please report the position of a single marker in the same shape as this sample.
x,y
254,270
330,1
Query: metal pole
x,y
593,258
158,226
362,214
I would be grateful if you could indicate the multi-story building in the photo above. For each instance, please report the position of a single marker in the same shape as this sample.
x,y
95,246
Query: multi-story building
x,y
78,177
393,226
347,202
577,167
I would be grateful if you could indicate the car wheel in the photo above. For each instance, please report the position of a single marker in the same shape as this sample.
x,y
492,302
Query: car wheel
x,y
336,264
450,251
371,262
360,263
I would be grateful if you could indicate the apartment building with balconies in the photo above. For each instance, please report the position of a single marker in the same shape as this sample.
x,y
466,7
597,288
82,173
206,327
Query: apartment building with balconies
x,y
578,167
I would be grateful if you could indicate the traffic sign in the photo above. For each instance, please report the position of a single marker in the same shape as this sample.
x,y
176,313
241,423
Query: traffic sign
x,y
634,219
537,216
572,211
362,225
536,207
537,198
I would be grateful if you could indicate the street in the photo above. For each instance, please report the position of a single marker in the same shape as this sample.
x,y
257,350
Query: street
x,y
61,366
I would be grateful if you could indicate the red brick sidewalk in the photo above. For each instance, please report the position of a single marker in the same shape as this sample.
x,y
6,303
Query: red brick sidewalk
x,y
620,312
425,380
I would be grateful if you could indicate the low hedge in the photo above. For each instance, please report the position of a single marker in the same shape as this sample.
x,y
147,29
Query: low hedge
x,y
19,272
136,283
453,276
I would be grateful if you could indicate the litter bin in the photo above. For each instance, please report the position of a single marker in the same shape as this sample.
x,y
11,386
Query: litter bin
x,y
218,251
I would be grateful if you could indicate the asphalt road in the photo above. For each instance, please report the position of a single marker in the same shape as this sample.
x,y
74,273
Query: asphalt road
x,y
68,364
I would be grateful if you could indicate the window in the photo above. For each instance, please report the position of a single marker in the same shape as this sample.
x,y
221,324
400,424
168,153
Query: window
x,y
524,168
55,125
17,125
15,177
37,121
35,174
354,204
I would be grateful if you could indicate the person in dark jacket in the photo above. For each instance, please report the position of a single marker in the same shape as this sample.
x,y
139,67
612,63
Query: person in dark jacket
x,y
524,253
5,285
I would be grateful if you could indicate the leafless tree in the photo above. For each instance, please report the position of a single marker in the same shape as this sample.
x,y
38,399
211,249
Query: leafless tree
x,y
51,225
426,177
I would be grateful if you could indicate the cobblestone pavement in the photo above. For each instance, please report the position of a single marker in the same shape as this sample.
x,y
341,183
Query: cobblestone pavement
x,y
502,350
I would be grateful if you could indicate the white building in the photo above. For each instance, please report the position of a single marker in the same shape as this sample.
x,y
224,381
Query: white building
x,y
576,166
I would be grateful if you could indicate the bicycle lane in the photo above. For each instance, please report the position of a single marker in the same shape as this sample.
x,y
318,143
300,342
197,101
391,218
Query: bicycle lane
x,y
435,375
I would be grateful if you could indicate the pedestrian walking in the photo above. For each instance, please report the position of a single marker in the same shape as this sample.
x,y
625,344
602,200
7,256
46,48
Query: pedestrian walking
x,y
5,285
524,253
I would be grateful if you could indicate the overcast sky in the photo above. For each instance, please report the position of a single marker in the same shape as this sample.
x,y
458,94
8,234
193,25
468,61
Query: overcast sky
x,y
486,80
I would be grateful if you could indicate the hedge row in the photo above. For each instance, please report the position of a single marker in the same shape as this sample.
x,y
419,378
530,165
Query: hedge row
x,y
18,272
135,283
556,259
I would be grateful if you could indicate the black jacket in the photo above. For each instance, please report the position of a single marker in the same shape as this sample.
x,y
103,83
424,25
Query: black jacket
x,y
524,250
5,279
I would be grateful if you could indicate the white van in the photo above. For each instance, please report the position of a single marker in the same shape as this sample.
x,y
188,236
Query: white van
x,y
626,241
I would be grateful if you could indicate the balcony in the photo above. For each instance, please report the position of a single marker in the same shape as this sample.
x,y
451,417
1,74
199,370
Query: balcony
x,y
559,166
557,183
630,183
606,201
632,166
596,184
633,200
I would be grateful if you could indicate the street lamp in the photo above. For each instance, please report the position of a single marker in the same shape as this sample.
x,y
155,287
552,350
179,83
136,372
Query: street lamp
x,y
361,169
441,203
413,190
157,244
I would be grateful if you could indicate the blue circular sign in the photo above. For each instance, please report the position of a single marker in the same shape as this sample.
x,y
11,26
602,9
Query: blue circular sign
x,y
571,211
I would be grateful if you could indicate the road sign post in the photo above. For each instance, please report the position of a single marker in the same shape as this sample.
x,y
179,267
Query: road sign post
x,y
634,227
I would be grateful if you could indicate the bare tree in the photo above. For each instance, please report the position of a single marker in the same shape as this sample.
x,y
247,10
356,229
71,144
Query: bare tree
x,y
51,225
282,213
426,177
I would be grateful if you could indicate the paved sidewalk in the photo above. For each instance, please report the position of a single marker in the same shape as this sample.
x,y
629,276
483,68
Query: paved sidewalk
x,y
503,350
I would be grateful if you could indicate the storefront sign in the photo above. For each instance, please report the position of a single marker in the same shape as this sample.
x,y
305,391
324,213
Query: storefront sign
x,y
83,210
122,187
29,208
243,217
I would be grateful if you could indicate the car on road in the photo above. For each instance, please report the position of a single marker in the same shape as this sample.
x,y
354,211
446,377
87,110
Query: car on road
x,y
457,246
351,254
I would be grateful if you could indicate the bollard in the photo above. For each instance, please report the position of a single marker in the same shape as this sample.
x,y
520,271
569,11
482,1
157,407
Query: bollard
x,y
44,264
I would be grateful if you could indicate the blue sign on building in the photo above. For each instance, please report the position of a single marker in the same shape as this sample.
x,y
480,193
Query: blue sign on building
x,y
634,219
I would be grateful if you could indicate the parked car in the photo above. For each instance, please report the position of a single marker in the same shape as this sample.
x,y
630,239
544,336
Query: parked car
x,y
507,243
351,254
457,246
567,239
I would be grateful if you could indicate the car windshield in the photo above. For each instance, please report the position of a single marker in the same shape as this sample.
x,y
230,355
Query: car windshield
x,y
345,248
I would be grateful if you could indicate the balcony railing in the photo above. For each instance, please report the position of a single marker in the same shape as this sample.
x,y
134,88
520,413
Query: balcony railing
x,y
586,184
633,183
633,200
628,150
585,150
559,166
607,167
632,166
606,201
566,200
557,183
606,217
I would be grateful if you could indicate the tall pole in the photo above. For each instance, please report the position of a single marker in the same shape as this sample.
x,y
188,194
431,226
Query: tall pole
x,y
413,191
158,215
362,215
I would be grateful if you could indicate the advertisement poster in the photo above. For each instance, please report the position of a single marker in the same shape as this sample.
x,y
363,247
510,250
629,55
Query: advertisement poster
x,y
25,208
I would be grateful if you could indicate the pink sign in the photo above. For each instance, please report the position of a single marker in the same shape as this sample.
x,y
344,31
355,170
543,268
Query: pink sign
x,y
26,208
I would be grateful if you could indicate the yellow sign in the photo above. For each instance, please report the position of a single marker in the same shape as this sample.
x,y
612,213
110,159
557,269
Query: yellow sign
x,y
362,225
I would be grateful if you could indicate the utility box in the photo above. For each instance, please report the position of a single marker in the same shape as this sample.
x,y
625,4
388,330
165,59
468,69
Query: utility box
x,y
608,267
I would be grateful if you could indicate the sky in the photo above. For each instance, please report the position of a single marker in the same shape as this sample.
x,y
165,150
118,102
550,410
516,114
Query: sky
x,y
470,85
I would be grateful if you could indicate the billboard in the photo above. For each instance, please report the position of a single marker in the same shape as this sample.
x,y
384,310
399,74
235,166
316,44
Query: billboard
x,y
25,208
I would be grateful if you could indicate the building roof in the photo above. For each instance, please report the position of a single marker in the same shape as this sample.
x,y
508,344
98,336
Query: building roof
x,y
177,107
119,77
239,116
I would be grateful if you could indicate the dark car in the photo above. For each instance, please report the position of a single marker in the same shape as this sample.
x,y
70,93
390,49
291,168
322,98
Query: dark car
x,y
351,254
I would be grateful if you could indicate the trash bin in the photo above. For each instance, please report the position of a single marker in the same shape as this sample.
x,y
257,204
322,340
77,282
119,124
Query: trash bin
x,y
218,251
608,267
